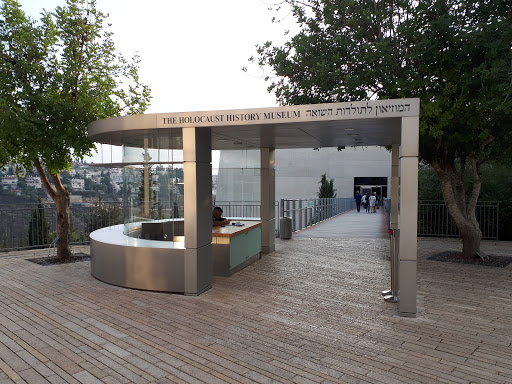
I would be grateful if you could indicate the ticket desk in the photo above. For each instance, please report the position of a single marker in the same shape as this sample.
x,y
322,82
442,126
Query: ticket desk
x,y
235,247
145,257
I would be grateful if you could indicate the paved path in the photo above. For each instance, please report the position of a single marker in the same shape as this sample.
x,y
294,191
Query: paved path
x,y
310,312
349,225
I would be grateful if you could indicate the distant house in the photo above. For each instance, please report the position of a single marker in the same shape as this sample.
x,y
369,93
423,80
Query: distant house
x,y
34,182
94,176
78,184
9,182
116,176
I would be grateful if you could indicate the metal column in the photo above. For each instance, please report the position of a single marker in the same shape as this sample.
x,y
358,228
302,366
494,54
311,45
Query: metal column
x,y
391,295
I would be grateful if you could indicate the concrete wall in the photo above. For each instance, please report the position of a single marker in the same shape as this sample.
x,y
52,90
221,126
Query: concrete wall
x,y
298,171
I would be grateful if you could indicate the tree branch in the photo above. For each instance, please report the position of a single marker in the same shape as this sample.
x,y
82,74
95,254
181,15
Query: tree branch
x,y
457,179
61,189
450,199
46,183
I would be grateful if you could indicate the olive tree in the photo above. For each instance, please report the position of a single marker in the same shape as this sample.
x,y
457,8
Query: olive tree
x,y
454,55
57,74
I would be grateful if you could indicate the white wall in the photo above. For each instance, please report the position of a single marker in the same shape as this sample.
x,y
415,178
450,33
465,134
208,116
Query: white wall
x,y
298,172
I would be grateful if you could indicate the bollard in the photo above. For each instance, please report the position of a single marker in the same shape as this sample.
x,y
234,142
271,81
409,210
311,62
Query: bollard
x,y
391,295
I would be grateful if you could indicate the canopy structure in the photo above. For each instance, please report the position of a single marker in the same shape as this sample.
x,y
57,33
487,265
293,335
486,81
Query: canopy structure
x,y
393,123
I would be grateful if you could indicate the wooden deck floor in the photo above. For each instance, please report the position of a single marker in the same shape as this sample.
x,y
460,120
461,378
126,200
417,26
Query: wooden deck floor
x,y
311,312
351,224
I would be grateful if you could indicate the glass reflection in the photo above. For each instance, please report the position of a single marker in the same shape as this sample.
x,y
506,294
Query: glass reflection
x,y
153,187
237,184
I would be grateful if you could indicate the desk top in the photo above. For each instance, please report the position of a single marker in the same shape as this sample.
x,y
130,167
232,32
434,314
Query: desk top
x,y
233,230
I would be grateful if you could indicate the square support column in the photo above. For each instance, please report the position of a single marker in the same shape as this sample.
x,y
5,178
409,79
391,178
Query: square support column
x,y
197,169
268,196
408,220
395,158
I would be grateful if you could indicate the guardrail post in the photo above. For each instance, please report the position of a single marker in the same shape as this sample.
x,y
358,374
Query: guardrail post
x,y
391,295
300,215
306,222
293,215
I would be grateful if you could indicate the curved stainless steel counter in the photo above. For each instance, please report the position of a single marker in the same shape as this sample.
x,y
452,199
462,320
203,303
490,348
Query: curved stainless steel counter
x,y
131,262
159,265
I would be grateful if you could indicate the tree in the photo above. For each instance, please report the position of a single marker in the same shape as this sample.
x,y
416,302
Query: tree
x,y
57,75
326,190
454,55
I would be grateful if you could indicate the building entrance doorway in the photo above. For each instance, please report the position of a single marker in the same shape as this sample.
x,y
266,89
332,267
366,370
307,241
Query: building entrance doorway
x,y
369,185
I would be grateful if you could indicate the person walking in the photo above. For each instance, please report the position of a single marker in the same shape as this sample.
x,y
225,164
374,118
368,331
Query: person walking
x,y
373,199
365,202
358,199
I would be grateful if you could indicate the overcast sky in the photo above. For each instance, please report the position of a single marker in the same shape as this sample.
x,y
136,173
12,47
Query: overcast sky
x,y
192,51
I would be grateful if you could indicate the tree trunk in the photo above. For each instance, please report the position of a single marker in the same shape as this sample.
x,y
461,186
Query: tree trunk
x,y
63,224
60,196
455,200
471,238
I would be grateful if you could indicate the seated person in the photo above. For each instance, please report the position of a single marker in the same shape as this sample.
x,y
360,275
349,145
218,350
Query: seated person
x,y
218,220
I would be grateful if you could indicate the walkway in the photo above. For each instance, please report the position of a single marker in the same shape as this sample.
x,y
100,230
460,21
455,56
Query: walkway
x,y
311,312
349,225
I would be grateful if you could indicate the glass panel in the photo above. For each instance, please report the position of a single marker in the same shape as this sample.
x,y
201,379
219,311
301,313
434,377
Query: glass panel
x,y
230,185
253,158
153,187
133,154
251,186
237,183
106,153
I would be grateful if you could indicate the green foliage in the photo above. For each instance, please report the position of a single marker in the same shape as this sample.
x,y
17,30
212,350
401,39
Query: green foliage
x,y
496,186
38,228
66,178
326,189
429,187
454,55
57,75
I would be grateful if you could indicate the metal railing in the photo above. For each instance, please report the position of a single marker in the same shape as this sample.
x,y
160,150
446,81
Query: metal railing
x,y
247,209
434,219
28,226
307,212
35,226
